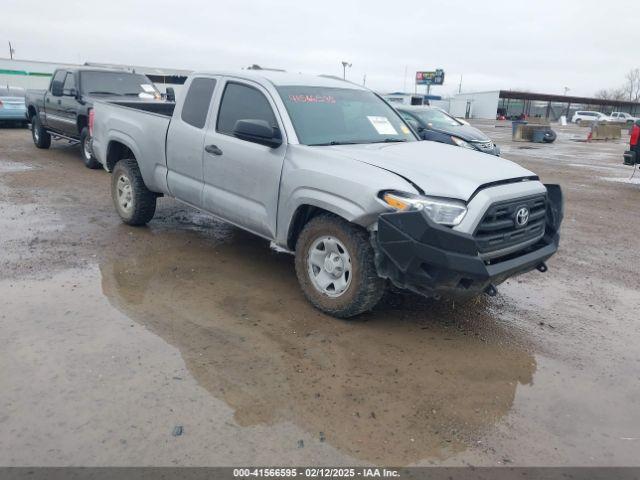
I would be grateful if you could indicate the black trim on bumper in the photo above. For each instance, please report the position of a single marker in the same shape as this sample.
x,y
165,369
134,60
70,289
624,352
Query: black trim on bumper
x,y
420,255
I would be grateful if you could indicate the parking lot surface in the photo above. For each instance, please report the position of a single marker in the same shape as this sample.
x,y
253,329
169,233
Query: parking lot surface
x,y
114,337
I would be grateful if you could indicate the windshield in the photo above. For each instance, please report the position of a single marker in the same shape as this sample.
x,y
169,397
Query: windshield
x,y
334,116
435,117
117,83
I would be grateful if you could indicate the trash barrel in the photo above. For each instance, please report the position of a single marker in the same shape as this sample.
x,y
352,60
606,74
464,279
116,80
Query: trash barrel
x,y
538,136
515,124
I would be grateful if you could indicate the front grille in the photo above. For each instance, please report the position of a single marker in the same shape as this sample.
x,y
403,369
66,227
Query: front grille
x,y
498,229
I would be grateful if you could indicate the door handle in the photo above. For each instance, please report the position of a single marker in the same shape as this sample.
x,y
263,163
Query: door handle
x,y
213,150
59,102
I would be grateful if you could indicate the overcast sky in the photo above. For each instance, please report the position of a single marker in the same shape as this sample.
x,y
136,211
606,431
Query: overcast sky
x,y
539,45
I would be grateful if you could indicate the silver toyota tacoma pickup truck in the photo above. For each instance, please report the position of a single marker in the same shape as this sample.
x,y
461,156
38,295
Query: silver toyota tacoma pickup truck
x,y
329,171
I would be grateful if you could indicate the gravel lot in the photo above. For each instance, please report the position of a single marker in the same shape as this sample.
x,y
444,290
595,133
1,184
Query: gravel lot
x,y
114,336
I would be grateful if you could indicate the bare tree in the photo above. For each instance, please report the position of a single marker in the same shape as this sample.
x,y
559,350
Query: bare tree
x,y
632,85
612,94
629,92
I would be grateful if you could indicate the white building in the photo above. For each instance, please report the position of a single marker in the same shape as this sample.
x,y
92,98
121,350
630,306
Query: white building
x,y
475,105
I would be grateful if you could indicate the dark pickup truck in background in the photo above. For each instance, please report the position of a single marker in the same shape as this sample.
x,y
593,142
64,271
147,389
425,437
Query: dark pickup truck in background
x,y
63,111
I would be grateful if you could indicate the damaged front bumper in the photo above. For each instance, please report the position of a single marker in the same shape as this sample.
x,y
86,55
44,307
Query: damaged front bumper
x,y
417,254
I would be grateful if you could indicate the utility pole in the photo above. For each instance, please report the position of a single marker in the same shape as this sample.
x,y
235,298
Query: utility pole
x,y
404,79
11,51
344,69
460,86
364,80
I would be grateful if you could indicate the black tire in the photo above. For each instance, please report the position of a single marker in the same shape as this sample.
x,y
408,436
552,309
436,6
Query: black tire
x,y
41,138
365,288
549,136
85,150
142,201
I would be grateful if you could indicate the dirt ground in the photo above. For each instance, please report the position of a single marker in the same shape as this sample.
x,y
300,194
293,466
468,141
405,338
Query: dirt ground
x,y
114,336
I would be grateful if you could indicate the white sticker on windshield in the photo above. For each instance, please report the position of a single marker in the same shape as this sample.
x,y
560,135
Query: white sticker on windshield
x,y
382,125
145,95
148,88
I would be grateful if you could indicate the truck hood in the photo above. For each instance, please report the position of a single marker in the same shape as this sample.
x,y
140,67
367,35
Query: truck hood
x,y
438,169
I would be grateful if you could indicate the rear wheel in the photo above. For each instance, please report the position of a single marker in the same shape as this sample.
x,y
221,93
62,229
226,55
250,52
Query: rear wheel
x,y
87,153
134,202
335,267
41,138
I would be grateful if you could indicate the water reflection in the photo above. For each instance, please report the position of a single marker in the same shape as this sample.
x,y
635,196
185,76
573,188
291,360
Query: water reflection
x,y
402,384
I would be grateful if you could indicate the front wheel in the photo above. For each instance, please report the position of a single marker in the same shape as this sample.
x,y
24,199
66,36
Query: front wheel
x,y
335,267
87,153
41,138
134,202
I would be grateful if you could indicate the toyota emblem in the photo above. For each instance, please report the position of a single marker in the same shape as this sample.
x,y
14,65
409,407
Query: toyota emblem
x,y
522,216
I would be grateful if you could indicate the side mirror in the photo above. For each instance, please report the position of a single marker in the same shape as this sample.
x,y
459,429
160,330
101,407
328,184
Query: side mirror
x,y
171,94
258,131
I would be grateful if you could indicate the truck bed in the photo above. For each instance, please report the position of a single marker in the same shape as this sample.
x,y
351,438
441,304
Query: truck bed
x,y
141,126
161,108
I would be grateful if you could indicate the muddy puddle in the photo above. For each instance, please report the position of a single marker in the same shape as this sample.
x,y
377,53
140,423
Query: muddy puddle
x,y
412,380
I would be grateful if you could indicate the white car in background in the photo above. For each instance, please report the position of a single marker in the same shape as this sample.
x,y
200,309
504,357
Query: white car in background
x,y
589,117
623,117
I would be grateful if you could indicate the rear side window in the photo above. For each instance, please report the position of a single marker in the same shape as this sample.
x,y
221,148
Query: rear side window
x,y
241,102
197,101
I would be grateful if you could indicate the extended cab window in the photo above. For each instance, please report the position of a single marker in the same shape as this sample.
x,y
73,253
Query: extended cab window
x,y
197,101
241,102
69,83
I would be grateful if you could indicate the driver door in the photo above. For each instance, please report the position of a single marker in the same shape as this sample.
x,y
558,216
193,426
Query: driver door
x,y
241,177
68,107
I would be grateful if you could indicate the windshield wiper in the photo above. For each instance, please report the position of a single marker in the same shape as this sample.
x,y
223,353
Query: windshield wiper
x,y
104,93
332,142
390,140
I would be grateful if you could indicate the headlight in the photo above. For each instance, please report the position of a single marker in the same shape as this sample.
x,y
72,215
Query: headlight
x,y
461,143
445,211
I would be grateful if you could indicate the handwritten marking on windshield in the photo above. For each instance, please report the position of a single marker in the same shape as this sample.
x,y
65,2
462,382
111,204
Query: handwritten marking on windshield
x,y
312,98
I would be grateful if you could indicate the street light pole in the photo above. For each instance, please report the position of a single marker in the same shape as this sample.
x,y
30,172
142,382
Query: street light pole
x,y
344,69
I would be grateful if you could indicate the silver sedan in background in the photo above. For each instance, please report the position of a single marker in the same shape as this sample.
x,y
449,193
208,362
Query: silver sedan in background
x,y
12,106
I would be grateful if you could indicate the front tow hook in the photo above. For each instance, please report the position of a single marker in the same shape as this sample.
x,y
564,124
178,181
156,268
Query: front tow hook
x,y
542,267
491,290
